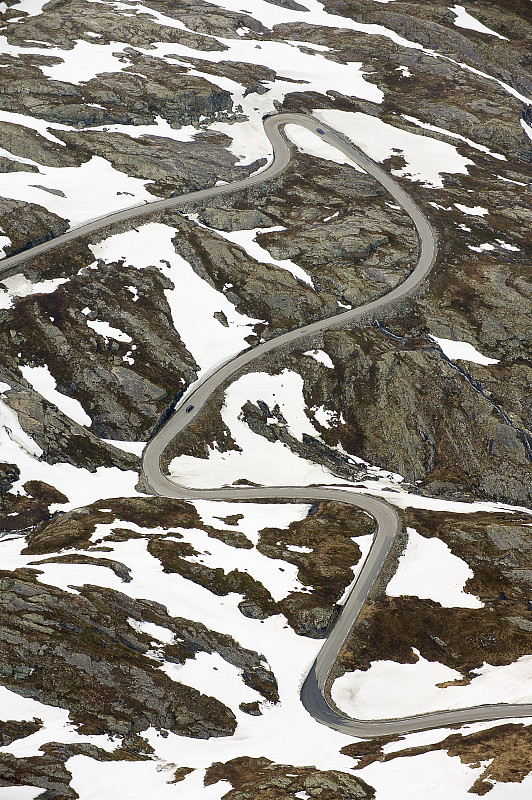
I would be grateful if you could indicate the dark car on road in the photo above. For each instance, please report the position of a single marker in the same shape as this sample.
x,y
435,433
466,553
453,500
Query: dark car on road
x,y
189,409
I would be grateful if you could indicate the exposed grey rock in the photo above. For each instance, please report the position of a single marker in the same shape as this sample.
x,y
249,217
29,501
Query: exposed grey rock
x,y
171,167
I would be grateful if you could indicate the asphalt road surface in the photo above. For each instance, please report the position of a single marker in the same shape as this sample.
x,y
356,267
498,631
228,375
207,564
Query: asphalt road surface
x,y
314,695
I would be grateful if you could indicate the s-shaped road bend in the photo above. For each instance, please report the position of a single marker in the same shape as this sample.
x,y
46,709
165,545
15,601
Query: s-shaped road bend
x,y
314,695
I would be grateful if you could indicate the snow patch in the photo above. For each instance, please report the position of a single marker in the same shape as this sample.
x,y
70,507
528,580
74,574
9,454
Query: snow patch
x,y
193,301
428,127
528,130
44,383
426,159
19,286
128,447
473,211
151,629
462,351
405,72
107,331
324,416
482,248
428,569
364,543
506,246
5,241
464,20
13,437
246,239
321,357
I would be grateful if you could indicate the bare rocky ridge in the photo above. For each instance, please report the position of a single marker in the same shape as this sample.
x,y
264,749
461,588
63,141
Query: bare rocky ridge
x,y
283,781
69,652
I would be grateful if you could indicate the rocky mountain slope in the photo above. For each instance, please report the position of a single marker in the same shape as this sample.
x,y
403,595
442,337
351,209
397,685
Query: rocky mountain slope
x,y
156,647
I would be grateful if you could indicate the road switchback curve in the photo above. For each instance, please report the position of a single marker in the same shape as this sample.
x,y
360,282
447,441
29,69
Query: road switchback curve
x,y
314,694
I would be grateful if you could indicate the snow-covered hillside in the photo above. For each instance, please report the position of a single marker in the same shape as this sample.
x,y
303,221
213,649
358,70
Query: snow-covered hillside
x,y
157,647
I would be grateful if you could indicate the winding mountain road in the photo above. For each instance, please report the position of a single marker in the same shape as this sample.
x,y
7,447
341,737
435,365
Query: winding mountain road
x,y
314,695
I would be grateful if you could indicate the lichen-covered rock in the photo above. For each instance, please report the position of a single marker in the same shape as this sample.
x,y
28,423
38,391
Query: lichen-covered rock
x,y
78,651
261,779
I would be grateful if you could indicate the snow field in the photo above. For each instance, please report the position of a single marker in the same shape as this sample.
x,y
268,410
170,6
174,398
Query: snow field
x,y
161,127
185,598
192,301
85,61
128,447
87,192
435,775
279,577
384,486
19,792
426,159
429,569
373,694
309,142
210,674
260,461
31,7
56,726
256,516
432,775
287,654
79,485
136,780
